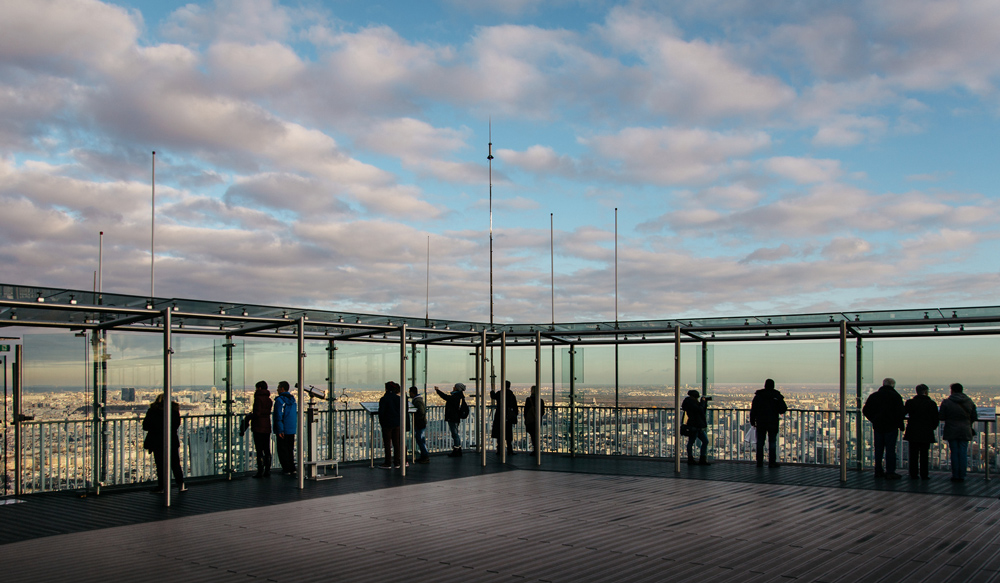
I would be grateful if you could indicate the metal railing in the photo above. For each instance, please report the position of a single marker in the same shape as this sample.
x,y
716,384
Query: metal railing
x,y
60,455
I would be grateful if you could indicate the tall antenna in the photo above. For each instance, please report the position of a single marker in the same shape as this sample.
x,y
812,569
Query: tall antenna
x,y
616,268
490,158
152,235
100,269
427,308
552,266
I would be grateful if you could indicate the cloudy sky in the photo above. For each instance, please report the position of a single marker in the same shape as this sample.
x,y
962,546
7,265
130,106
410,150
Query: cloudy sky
x,y
764,157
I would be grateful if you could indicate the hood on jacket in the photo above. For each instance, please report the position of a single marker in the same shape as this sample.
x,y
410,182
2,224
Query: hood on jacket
x,y
959,398
265,392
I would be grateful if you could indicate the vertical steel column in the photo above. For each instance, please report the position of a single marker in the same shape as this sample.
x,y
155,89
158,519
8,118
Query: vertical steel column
x,y
95,428
402,400
843,401
503,399
331,430
677,399
229,407
300,329
168,430
860,435
572,400
538,397
481,405
17,372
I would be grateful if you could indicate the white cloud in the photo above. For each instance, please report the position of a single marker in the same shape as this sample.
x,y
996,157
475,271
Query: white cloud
x,y
804,170
848,130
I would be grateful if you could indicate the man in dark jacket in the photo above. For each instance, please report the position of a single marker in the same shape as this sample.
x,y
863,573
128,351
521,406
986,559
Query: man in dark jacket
x,y
958,413
285,424
388,418
765,414
420,425
453,403
921,425
153,424
884,408
260,428
697,423
510,419
531,406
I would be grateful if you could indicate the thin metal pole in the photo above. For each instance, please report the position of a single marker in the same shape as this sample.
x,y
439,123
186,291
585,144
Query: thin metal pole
x,y
572,400
843,401
230,469
552,288
100,270
168,351
331,427
860,436
677,399
299,462
17,372
503,399
402,399
490,158
427,303
537,396
618,421
481,421
152,234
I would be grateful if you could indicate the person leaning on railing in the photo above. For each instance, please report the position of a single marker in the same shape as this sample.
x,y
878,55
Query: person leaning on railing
x,y
454,407
152,423
765,414
260,428
697,423
958,413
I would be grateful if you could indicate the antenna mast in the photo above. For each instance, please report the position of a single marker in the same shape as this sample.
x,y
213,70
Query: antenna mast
x,y
490,158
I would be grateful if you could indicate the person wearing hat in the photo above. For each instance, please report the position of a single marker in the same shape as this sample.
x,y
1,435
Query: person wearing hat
x,y
454,405
697,424
388,419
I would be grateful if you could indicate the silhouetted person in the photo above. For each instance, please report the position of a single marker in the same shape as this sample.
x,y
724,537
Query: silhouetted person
x,y
958,413
420,425
529,416
454,406
697,422
260,427
765,414
884,408
388,419
921,425
285,423
510,419
152,423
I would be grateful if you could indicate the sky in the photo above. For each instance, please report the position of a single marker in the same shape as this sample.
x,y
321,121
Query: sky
x,y
763,157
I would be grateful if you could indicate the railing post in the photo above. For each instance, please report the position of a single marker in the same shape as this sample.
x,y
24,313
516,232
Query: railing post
x,y
229,407
843,401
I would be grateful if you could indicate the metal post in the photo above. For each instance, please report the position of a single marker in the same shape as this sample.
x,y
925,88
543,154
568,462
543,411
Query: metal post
x,y
402,400
168,352
481,404
572,400
299,462
538,397
502,440
677,399
331,430
229,406
858,425
17,372
843,401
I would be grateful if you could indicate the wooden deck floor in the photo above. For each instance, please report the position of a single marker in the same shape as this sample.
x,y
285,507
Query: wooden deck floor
x,y
579,520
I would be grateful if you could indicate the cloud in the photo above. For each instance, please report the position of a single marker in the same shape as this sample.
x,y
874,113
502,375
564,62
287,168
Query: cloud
x,y
768,255
848,130
804,170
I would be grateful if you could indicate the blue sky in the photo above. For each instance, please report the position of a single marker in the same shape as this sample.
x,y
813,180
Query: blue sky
x,y
764,158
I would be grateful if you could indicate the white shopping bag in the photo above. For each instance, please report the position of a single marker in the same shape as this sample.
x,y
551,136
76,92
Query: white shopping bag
x,y
751,436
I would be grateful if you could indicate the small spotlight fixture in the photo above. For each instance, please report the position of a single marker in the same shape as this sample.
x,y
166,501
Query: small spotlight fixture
x,y
72,300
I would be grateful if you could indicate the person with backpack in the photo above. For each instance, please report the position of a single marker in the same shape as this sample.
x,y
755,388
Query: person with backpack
x,y
455,409
765,414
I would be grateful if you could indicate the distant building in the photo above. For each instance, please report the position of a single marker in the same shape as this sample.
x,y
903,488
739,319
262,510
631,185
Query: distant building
x,y
128,394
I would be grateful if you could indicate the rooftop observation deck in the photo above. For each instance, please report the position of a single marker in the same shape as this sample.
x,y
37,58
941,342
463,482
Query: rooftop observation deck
x,y
572,519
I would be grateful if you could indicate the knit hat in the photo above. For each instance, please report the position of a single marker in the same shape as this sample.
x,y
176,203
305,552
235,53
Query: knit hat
x,y
459,387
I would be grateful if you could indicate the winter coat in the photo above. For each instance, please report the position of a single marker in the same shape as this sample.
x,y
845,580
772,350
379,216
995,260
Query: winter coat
x,y
260,414
767,408
284,417
922,421
152,424
529,413
884,408
695,410
452,405
388,410
958,413
420,415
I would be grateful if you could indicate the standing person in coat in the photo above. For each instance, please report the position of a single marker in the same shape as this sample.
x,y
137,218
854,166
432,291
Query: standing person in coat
x,y
454,404
285,423
765,415
510,419
529,416
388,419
958,413
260,427
884,408
921,424
697,422
152,423
420,425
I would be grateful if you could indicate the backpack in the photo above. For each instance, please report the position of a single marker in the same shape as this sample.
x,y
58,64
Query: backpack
x,y
463,409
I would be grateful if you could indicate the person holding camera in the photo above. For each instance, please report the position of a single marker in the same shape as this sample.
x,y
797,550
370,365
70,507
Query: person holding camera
x,y
697,423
